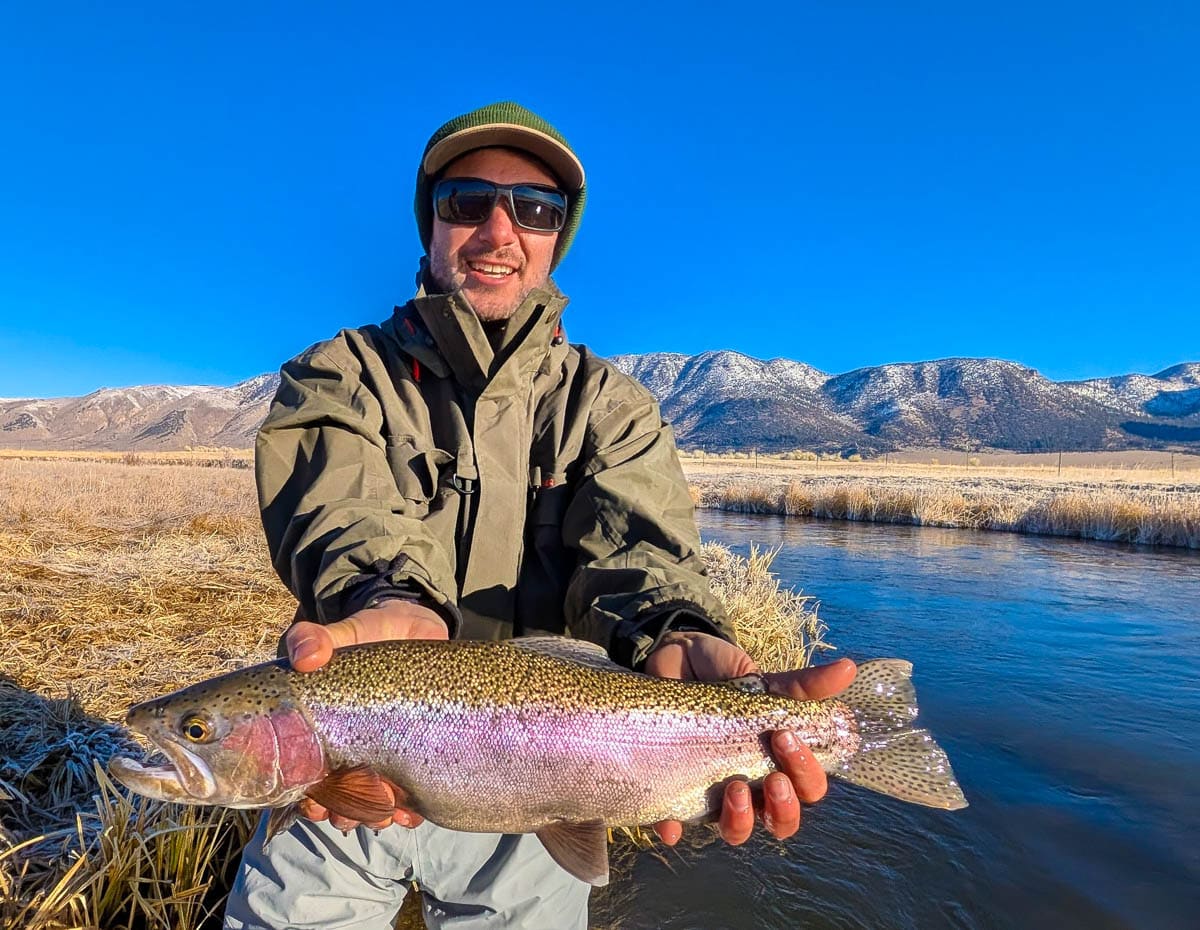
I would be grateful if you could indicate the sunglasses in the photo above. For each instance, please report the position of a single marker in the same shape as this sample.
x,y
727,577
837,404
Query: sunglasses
x,y
469,202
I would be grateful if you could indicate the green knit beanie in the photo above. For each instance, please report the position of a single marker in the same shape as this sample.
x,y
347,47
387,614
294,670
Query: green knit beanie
x,y
509,125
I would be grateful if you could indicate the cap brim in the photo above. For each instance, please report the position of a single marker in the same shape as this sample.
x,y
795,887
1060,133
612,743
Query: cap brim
x,y
558,157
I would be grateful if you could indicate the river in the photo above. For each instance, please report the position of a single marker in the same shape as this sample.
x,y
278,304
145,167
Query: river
x,y
1063,680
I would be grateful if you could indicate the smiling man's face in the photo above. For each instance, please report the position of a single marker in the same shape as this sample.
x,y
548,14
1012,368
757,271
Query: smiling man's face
x,y
496,263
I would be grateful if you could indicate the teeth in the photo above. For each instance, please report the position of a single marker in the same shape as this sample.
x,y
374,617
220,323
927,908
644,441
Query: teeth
x,y
489,268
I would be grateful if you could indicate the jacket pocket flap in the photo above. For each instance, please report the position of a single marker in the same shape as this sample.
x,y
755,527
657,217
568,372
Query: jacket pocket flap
x,y
417,471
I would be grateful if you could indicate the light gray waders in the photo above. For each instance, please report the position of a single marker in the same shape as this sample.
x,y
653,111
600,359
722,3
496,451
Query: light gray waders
x,y
314,877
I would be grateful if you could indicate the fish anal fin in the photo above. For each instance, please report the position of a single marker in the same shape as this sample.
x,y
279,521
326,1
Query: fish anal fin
x,y
357,793
580,848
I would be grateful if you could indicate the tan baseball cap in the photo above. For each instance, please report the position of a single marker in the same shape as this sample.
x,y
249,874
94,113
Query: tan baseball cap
x,y
557,156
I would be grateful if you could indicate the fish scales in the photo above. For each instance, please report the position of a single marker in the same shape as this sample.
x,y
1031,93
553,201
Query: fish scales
x,y
513,740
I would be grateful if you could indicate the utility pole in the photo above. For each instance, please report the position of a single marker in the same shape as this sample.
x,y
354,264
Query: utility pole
x,y
1060,463
1172,466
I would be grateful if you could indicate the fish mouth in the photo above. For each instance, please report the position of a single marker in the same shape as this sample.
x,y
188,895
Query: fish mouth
x,y
184,778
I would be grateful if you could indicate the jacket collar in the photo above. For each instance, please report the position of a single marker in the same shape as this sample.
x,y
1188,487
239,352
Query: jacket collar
x,y
456,343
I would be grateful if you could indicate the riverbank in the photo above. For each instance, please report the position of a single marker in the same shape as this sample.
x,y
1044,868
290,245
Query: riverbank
x,y
1154,506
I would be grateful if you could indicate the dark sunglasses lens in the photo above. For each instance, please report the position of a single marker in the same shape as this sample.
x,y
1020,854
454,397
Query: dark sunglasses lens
x,y
464,201
539,208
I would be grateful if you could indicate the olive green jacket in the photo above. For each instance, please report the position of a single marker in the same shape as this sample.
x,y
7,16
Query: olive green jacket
x,y
525,488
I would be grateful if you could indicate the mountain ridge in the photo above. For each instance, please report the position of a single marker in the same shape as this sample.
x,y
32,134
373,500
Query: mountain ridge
x,y
720,399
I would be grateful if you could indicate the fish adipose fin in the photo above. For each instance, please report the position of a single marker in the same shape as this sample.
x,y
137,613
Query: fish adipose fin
x,y
894,758
357,794
580,848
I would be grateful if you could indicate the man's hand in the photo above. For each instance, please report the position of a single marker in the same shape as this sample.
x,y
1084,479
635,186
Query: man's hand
x,y
310,646
700,657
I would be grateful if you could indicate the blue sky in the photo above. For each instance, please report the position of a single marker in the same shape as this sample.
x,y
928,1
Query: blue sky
x,y
192,193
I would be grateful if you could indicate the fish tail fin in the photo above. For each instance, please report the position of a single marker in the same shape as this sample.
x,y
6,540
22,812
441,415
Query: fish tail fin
x,y
893,757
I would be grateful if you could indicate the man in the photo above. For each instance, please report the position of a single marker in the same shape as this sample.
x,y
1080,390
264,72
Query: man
x,y
460,470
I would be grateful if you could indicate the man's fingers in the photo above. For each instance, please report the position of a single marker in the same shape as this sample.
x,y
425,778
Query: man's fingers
x,y
309,645
813,684
669,831
737,814
781,809
312,810
796,761
345,824
407,818
698,657
667,661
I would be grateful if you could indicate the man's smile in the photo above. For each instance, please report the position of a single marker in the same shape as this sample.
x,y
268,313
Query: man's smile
x,y
493,270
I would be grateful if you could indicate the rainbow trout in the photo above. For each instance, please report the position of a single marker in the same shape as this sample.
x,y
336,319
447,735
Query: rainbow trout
x,y
541,735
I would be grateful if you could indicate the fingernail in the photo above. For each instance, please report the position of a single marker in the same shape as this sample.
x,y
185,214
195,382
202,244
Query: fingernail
x,y
787,741
305,648
777,789
740,798
404,820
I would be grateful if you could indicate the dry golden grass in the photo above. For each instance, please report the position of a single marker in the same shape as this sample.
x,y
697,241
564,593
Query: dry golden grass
x,y
1087,468
204,456
1147,513
119,582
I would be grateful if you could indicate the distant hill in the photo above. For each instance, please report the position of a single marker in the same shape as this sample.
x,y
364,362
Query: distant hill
x,y
164,417
719,400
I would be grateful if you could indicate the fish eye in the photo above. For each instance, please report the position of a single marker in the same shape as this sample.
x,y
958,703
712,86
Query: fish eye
x,y
196,729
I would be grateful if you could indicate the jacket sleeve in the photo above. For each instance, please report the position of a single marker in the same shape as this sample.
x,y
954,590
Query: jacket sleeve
x,y
633,522
340,534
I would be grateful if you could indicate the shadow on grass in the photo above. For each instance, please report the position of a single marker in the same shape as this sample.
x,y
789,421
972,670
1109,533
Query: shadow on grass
x,y
78,850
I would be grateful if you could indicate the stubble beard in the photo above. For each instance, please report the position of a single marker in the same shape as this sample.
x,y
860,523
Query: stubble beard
x,y
451,277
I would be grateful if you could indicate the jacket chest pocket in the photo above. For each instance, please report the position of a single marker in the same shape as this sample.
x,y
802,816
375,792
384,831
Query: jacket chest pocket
x,y
421,475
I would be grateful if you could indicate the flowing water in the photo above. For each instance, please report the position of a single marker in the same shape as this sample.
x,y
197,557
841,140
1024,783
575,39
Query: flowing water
x,y
1063,679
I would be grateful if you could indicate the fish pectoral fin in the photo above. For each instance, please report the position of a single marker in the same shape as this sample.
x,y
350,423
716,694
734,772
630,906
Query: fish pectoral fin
x,y
358,793
580,848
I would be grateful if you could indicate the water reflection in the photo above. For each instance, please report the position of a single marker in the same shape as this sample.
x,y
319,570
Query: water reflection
x,y
1060,676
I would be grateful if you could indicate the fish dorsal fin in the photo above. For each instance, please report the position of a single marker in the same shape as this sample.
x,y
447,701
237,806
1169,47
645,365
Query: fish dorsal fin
x,y
754,683
580,651
357,794
580,848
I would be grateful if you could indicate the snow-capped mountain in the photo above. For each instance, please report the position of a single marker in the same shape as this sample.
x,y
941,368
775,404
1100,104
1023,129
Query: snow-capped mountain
x,y
718,400
1174,392
167,417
